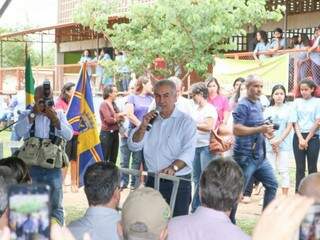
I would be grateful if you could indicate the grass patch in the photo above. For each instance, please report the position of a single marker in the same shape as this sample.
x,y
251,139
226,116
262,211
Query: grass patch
x,y
247,225
5,136
73,213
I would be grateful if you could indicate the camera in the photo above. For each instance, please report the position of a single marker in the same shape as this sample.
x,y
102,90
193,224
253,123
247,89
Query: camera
x,y
48,100
269,121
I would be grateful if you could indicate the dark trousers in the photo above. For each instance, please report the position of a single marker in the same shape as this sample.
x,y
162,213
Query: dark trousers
x,y
300,156
183,199
249,188
110,145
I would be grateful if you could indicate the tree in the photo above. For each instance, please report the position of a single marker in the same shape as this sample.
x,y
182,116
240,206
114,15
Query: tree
x,y
13,53
185,33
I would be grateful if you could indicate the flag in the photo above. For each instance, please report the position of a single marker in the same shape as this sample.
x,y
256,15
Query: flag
x,y
82,119
274,70
29,83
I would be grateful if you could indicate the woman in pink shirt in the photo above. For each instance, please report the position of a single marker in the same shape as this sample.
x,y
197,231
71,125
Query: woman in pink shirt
x,y
220,102
71,147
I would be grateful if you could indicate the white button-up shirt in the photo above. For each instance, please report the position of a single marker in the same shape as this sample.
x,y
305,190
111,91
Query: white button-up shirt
x,y
42,126
169,139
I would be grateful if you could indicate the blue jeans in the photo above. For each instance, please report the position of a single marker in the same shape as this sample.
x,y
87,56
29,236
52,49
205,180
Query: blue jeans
x,y
137,158
201,160
53,178
125,154
125,79
263,172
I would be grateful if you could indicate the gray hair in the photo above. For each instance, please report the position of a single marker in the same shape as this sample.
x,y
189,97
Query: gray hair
x,y
168,83
251,79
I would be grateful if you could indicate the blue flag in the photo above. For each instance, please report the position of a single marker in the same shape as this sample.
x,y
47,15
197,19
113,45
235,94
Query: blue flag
x,y
82,119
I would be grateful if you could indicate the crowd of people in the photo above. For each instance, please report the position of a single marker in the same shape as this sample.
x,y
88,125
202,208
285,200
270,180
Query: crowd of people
x,y
166,132
306,61
160,130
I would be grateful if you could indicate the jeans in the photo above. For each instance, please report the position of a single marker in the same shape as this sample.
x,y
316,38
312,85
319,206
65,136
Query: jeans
x,y
109,145
263,172
125,79
202,158
300,156
125,154
53,178
183,198
137,158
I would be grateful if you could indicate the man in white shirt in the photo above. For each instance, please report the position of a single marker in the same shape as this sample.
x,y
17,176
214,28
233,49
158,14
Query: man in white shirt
x,y
169,146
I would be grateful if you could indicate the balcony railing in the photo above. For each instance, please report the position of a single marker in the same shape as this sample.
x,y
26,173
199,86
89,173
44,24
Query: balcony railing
x,y
12,79
298,70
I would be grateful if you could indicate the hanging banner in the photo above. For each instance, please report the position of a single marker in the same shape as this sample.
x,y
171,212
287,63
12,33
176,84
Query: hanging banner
x,y
273,70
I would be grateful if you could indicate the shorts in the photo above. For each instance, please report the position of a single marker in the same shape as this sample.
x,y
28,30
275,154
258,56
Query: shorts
x,y
71,148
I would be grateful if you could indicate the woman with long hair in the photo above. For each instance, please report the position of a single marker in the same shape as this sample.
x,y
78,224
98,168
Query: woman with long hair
x,y
261,46
137,106
278,148
303,63
306,116
71,148
219,101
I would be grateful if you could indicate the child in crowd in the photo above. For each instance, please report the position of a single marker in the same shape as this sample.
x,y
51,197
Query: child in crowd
x,y
279,147
305,116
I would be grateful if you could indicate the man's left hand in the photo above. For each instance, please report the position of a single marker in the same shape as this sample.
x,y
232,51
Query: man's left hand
x,y
169,171
52,115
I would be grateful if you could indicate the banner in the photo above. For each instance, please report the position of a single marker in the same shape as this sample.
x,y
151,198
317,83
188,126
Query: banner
x,y
273,70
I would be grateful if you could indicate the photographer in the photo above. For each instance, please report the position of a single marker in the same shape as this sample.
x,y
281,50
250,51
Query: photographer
x,y
250,131
45,131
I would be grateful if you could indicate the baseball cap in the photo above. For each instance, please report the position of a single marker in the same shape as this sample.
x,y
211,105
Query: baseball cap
x,y
145,214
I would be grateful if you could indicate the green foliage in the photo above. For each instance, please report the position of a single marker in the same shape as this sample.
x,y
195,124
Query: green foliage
x,y
13,53
183,32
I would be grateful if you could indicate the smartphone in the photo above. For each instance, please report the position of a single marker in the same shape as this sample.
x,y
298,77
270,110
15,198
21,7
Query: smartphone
x,y
310,226
29,212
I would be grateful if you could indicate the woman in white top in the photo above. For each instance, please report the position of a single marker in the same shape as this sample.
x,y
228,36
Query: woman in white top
x,y
306,116
279,147
206,117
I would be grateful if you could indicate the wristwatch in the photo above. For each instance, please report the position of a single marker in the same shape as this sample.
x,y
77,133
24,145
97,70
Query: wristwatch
x,y
175,168
32,116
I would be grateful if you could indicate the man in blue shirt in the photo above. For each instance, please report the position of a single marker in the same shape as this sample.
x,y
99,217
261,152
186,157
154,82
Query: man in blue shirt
x,y
250,132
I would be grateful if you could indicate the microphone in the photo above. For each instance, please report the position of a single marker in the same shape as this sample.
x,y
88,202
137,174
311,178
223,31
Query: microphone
x,y
157,111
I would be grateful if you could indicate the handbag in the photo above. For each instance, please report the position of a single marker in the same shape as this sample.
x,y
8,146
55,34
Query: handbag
x,y
219,144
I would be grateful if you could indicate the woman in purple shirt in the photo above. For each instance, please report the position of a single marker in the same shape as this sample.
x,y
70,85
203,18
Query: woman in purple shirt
x,y
220,102
137,106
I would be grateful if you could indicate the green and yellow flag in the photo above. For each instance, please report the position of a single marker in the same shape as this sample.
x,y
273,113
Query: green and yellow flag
x,y
29,83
